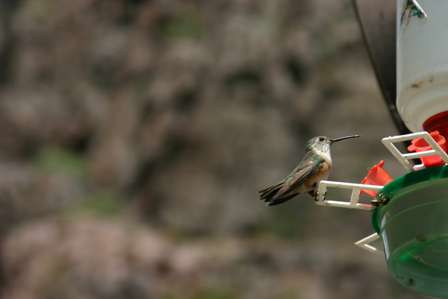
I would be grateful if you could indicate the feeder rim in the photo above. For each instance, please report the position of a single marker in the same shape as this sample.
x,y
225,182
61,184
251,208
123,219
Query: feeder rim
x,y
399,184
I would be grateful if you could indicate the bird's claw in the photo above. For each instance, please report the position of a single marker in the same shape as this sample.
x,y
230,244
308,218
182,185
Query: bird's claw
x,y
318,196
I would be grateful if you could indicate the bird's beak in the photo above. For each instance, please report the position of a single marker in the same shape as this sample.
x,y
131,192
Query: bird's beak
x,y
343,138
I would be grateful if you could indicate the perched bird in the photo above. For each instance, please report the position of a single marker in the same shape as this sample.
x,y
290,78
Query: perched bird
x,y
314,167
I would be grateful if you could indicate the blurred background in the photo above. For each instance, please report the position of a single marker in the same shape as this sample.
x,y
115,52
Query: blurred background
x,y
136,133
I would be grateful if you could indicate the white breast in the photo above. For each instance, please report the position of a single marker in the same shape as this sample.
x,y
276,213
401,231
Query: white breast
x,y
326,155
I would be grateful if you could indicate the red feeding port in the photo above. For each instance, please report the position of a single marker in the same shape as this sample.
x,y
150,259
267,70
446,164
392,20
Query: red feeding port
x,y
420,145
438,122
376,176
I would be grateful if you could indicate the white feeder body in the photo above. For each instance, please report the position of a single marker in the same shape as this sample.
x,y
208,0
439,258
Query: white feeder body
x,y
422,61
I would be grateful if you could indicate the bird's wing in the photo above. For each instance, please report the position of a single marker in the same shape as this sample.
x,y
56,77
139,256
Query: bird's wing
x,y
308,166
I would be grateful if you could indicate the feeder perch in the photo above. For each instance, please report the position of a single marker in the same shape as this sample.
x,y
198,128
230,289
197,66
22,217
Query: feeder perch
x,y
420,145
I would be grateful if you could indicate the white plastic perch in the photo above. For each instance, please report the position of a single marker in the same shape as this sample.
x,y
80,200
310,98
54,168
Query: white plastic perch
x,y
354,198
354,203
404,158
366,242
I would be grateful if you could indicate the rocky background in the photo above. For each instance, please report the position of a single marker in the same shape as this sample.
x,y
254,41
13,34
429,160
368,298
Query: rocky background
x,y
135,135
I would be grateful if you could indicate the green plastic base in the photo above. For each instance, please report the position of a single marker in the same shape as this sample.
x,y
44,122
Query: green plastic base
x,y
414,229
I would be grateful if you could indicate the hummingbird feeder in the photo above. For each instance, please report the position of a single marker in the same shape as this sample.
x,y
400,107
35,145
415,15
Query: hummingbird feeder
x,y
410,213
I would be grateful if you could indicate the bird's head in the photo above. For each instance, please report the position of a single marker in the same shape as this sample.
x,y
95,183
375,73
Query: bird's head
x,y
322,143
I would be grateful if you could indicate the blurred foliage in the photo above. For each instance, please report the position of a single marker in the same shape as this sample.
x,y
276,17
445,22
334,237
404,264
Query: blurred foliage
x,y
58,160
100,204
184,24
284,223
214,294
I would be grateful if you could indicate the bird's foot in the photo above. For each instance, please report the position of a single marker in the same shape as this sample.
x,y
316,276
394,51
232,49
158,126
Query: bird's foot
x,y
317,196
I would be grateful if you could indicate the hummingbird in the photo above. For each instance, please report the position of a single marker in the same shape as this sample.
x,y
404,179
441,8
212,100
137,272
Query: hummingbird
x,y
314,167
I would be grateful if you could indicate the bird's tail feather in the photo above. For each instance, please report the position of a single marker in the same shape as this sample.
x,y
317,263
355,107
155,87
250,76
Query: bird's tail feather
x,y
271,195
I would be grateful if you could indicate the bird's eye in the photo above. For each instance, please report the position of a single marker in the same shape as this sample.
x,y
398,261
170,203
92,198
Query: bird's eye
x,y
321,138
